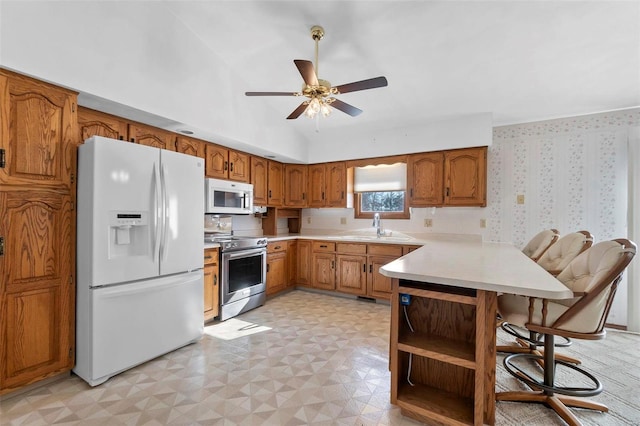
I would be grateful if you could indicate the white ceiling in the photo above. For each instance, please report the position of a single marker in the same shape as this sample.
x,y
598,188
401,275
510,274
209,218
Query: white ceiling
x,y
188,63
519,60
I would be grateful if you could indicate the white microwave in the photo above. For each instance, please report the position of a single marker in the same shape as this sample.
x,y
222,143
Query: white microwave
x,y
224,196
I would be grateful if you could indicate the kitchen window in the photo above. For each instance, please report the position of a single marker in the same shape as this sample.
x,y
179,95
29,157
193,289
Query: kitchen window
x,y
381,189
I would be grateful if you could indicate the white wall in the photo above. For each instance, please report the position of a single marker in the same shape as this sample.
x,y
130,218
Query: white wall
x,y
353,143
633,303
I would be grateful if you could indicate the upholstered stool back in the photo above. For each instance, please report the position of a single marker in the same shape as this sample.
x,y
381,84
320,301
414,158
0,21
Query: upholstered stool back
x,y
540,243
563,251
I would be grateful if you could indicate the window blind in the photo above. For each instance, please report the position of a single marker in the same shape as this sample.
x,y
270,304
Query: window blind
x,y
383,177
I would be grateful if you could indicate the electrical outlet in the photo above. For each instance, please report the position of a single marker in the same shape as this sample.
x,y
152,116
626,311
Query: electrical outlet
x,y
309,220
483,223
520,199
428,223
343,221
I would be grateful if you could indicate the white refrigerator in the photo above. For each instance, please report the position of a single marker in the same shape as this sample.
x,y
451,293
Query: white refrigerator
x,y
139,255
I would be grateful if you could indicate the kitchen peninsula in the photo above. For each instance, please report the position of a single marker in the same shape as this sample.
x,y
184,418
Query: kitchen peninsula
x,y
443,322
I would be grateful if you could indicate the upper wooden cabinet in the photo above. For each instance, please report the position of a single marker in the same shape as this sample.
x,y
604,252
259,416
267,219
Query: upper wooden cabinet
x,y
316,191
151,136
425,179
275,184
259,173
190,146
327,185
95,123
465,172
336,178
223,163
239,164
38,132
448,178
295,185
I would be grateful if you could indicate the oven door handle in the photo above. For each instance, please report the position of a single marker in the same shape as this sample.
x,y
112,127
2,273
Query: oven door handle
x,y
244,253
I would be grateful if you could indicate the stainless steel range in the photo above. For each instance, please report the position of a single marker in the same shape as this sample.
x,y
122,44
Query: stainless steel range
x,y
243,270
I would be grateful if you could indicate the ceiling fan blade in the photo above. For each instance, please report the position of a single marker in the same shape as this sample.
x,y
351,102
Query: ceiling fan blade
x,y
307,71
345,107
371,83
297,112
271,94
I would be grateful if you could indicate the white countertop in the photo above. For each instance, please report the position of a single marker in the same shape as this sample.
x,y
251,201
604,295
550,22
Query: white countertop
x,y
496,267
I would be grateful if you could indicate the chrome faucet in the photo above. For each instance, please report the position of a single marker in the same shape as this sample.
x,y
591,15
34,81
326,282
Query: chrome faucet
x,y
378,225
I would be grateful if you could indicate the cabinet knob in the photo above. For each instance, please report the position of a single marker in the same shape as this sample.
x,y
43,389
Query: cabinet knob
x,y
225,166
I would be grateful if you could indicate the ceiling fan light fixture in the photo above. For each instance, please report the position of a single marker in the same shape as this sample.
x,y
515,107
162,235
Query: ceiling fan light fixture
x,y
317,106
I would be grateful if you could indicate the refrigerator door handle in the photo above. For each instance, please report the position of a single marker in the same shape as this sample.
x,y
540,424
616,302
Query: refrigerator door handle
x,y
156,210
165,213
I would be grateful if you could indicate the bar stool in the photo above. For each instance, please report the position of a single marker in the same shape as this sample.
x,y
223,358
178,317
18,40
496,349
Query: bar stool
x,y
554,259
593,276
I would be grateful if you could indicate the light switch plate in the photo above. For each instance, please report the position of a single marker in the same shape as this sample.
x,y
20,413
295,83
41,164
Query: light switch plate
x,y
343,221
520,199
428,223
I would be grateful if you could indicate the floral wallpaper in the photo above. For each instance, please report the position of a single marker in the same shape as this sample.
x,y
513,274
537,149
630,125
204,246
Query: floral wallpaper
x,y
573,174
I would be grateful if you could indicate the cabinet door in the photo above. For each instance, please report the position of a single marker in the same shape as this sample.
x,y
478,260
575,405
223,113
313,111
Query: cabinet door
x,y
259,181
274,181
292,262
303,272
211,289
151,136
336,184
216,161
466,172
276,272
38,132
351,274
95,123
324,271
295,185
425,174
36,286
378,285
190,146
316,189
239,164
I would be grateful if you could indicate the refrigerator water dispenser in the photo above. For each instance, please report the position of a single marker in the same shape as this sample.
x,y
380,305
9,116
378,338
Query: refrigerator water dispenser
x,y
129,233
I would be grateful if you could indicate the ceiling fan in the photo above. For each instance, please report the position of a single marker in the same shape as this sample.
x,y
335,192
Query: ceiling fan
x,y
320,92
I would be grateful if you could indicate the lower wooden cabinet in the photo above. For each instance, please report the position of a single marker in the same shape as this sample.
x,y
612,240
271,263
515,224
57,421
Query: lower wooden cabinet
x,y
351,270
351,274
304,262
347,267
211,284
323,265
37,289
277,272
292,262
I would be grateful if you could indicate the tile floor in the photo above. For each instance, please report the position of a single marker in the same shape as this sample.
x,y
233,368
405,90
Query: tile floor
x,y
303,358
